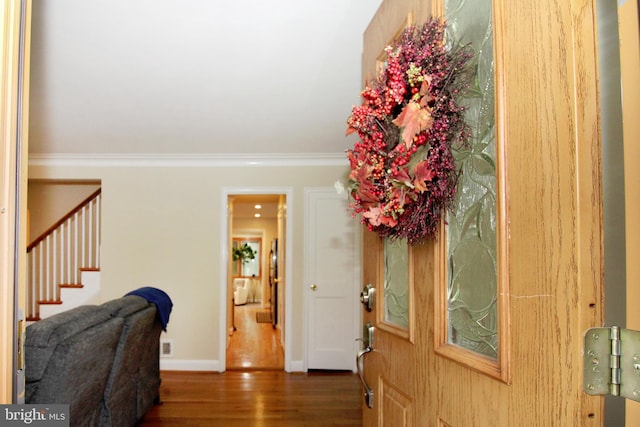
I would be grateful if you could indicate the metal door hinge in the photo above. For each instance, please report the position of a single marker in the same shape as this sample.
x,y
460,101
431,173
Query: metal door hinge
x,y
612,362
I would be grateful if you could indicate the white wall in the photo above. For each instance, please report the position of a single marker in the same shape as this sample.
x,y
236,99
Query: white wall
x,y
161,227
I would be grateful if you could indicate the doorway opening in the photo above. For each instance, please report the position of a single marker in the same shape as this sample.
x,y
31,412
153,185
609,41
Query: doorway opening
x,y
256,293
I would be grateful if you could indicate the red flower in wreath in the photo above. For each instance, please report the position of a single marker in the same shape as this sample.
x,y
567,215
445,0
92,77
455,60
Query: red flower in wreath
x,y
403,176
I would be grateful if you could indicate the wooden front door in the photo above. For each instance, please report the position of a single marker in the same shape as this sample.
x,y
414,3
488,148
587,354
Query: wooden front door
x,y
548,240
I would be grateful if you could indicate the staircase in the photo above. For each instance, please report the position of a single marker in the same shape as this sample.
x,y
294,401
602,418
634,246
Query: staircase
x,y
63,264
74,295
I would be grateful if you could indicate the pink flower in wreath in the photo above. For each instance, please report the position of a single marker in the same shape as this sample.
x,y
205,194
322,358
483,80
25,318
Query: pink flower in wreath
x,y
375,217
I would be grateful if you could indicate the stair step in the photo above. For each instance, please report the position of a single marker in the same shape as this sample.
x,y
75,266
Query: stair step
x,y
73,294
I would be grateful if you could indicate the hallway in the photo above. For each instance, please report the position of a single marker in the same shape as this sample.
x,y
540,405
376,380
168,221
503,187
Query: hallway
x,y
254,346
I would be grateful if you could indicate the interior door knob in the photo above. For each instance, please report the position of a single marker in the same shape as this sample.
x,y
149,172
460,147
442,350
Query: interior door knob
x,y
314,287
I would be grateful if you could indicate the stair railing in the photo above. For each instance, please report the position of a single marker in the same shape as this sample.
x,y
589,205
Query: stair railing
x,y
57,257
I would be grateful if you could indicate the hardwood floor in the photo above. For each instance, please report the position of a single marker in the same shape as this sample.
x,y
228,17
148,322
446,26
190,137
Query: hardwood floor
x,y
255,390
253,345
257,398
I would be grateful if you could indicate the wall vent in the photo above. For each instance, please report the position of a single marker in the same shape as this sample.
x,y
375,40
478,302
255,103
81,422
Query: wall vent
x,y
166,348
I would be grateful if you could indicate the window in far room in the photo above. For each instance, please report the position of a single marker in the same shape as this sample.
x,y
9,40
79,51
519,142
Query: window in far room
x,y
246,257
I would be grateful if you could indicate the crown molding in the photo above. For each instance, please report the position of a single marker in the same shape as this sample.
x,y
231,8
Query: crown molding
x,y
188,160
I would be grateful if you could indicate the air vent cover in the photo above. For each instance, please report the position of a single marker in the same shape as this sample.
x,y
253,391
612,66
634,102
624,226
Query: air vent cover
x,y
166,348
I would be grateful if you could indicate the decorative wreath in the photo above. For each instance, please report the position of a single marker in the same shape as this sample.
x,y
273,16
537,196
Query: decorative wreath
x,y
403,176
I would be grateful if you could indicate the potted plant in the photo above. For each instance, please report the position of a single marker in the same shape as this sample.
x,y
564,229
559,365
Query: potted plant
x,y
244,253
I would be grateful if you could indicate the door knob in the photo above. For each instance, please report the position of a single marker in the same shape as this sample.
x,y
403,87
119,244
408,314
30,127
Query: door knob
x,y
313,287
366,297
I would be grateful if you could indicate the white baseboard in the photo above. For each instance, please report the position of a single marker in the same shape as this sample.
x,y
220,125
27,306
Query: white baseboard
x,y
189,365
296,366
211,365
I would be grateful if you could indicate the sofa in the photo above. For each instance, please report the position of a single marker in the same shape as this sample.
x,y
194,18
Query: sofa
x,y
240,291
102,360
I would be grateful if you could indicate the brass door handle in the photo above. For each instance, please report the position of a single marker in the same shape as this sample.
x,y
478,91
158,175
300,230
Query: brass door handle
x,y
368,348
313,287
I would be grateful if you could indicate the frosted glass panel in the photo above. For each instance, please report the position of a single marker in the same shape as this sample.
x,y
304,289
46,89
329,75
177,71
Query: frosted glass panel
x,y
396,282
471,229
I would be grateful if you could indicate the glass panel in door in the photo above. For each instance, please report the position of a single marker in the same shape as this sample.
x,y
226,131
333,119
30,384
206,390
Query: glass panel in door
x,y
396,283
471,229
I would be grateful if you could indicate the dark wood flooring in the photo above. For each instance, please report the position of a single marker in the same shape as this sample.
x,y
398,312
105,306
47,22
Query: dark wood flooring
x,y
257,398
255,390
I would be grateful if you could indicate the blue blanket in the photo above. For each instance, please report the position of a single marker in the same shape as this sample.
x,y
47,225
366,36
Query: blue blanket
x,y
160,299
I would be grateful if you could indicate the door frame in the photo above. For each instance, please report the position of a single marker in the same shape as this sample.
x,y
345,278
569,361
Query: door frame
x,y
224,262
15,18
628,31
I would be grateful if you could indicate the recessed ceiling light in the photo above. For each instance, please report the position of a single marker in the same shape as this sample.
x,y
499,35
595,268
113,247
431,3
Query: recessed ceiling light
x,y
258,206
257,215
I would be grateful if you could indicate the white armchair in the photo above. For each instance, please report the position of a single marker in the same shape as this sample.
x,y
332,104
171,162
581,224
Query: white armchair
x,y
240,291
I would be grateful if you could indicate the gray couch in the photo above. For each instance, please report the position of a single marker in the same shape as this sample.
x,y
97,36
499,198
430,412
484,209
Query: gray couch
x,y
101,360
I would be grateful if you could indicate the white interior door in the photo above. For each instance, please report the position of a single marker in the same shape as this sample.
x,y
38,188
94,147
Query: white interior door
x,y
332,276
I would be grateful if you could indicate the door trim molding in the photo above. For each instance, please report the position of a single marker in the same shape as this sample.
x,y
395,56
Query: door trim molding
x,y
224,261
629,67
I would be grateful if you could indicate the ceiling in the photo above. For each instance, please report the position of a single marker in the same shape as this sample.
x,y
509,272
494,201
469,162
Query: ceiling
x,y
244,205
176,77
